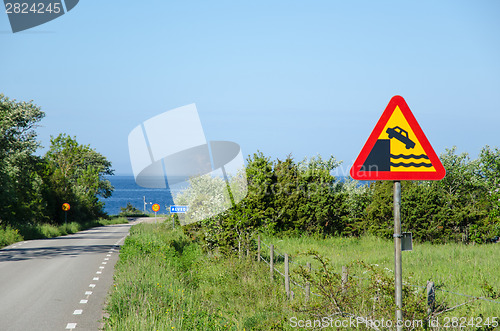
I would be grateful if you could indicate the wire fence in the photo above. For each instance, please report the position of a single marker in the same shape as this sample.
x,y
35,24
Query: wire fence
x,y
361,278
293,282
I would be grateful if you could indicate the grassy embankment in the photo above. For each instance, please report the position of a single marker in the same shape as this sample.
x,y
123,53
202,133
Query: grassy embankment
x,y
164,281
452,267
10,235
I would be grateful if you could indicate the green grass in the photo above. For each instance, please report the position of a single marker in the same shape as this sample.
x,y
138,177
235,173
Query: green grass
x,y
9,235
452,267
163,281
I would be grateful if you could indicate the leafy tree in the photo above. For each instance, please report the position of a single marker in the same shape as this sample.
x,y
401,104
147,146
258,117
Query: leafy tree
x,y
318,202
358,198
19,179
489,171
75,174
463,191
130,210
379,217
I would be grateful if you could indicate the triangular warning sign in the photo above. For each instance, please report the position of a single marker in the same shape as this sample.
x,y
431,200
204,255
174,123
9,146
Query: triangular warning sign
x,y
397,149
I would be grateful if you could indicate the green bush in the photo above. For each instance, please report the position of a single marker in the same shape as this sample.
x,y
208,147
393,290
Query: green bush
x,y
70,228
8,236
50,231
130,211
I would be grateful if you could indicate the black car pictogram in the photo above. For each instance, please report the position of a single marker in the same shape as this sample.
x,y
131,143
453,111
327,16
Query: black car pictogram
x,y
401,135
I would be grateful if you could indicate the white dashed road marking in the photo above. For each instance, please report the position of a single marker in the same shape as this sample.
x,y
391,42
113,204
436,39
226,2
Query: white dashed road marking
x,y
71,326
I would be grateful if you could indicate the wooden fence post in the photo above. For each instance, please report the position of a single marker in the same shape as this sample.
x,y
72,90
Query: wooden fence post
x,y
271,260
345,278
258,248
308,285
431,297
287,277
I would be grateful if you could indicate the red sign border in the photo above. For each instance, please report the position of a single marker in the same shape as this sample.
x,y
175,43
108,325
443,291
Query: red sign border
x,y
158,207
356,172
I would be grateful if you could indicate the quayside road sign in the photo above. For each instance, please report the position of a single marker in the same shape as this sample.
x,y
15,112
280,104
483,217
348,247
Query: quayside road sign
x,y
397,149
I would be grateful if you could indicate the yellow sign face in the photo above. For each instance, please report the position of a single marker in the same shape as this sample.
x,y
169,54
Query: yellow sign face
x,y
66,206
406,152
155,207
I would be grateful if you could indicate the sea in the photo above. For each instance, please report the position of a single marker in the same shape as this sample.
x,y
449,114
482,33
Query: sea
x,y
126,190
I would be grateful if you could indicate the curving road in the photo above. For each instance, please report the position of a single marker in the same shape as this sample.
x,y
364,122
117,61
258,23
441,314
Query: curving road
x,y
59,283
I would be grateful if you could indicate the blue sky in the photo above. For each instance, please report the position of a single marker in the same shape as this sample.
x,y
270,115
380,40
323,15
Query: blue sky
x,y
300,77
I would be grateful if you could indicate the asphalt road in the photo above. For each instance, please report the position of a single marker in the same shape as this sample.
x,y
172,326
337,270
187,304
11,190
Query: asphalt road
x,y
59,283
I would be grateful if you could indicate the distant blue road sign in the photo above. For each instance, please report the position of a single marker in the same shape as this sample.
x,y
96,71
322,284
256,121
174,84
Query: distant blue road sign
x,y
178,209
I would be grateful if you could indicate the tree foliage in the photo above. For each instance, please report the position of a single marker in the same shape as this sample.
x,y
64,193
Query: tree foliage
x,y
19,178
33,188
284,196
294,198
75,174
463,207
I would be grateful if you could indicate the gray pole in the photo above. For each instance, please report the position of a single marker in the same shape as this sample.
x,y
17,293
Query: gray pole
x,y
258,248
398,270
271,260
287,277
308,285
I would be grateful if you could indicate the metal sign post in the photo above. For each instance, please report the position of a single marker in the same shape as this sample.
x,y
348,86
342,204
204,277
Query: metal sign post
x,y
398,268
66,207
174,209
156,208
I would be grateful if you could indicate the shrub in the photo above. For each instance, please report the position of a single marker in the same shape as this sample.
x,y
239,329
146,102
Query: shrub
x,y
8,236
